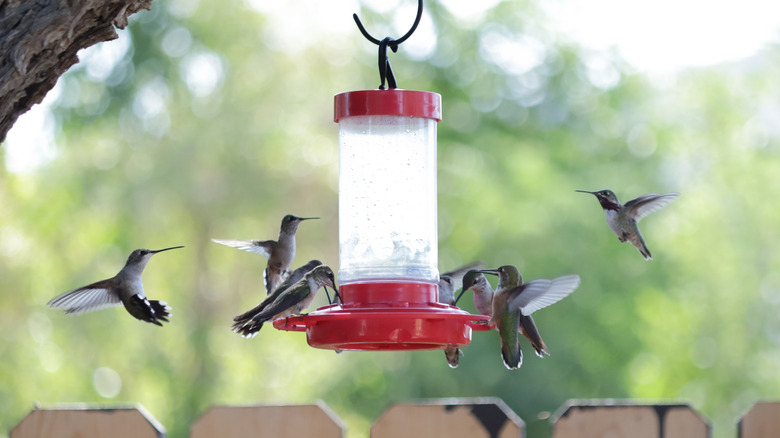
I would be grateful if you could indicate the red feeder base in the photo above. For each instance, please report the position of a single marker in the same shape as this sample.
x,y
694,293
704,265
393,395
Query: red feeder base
x,y
386,316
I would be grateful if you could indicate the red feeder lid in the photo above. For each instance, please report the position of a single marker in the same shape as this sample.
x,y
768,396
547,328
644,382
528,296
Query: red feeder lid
x,y
390,102
386,316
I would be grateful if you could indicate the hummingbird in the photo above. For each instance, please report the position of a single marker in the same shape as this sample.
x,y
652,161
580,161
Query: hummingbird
x,y
447,296
449,282
280,252
483,293
294,277
483,301
290,301
623,219
514,299
447,287
124,288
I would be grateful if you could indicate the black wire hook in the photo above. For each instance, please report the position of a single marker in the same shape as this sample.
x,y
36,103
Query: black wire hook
x,y
385,71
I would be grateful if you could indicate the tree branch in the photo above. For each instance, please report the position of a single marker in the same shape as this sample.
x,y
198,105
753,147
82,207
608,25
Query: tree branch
x,y
39,41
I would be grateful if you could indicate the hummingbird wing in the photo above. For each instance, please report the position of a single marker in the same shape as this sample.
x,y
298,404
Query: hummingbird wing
x,y
290,277
250,314
646,204
294,278
538,294
287,300
263,248
96,296
457,274
298,273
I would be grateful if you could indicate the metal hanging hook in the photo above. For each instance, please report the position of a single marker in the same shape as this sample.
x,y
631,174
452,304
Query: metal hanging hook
x,y
385,71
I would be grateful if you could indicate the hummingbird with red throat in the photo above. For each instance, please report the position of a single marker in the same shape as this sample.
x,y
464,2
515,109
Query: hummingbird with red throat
x,y
623,218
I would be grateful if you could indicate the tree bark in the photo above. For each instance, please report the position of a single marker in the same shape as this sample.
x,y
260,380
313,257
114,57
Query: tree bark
x,y
39,40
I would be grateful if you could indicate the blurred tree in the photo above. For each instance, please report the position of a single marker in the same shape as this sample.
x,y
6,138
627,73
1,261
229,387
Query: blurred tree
x,y
212,120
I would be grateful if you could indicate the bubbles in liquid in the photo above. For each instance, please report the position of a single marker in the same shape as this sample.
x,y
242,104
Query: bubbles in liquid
x,y
387,199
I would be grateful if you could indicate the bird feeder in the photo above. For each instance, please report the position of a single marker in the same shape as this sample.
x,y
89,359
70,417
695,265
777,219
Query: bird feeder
x,y
388,243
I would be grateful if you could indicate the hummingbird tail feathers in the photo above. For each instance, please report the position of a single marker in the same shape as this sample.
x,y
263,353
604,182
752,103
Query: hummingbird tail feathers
x,y
151,311
161,310
639,243
512,359
540,350
247,329
247,326
529,330
453,355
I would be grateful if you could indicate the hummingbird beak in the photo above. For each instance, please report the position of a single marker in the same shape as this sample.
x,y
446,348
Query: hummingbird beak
x,y
455,303
306,218
335,294
585,191
490,271
166,249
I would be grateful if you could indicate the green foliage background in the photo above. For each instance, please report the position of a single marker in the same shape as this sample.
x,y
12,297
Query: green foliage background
x,y
147,159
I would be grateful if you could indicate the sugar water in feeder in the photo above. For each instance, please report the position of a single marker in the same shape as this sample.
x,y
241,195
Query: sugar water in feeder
x,y
387,186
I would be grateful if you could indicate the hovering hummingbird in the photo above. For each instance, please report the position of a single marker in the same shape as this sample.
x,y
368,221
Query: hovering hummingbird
x,y
623,219
447,287
287,302
515,299
124,288
483,301
280,252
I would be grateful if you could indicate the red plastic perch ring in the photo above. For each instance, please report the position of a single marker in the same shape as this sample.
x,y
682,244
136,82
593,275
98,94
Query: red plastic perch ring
x,y
386,316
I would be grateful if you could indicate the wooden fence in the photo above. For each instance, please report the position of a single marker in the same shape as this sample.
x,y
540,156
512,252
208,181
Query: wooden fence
x,y
451,418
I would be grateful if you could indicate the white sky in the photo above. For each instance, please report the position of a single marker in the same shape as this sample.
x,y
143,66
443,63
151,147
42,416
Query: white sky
x,y
667,35
658,36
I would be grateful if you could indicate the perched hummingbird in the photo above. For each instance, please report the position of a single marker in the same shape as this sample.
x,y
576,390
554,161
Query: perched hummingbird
x,y
515,299
447,296
280,252
124,288
622,219
449,282
483,293
290,301
447,287
294,277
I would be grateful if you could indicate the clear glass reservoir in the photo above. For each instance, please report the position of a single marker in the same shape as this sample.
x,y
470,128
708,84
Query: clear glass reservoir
x,y
387,186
